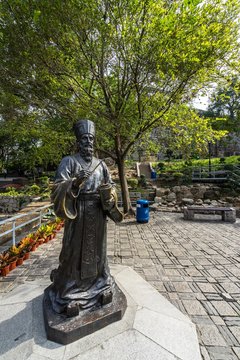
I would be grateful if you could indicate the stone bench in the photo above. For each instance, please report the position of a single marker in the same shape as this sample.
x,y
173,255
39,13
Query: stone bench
x,y
228,213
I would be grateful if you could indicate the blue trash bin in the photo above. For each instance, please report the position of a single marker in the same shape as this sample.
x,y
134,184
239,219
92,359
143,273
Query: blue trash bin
x,y
142,214
153,174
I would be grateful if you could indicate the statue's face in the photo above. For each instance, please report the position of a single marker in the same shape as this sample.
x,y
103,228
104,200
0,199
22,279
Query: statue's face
x,y
86,146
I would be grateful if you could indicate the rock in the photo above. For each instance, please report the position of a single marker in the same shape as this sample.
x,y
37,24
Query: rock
x,y
214,203
167,191
158,199
215,188
236,202
233,201
227,204
184,188
171,197
198,192
207,201
176,189
154,207
184,195
171,204
199,202
160,192
212,194
187,201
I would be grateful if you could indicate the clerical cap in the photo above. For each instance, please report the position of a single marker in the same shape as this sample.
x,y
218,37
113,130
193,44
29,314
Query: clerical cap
x,y
84,127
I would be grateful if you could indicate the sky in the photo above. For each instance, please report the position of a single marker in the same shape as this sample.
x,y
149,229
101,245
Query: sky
x,y
201,102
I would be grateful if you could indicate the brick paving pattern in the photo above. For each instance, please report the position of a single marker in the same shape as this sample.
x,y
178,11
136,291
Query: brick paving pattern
x,y
194,264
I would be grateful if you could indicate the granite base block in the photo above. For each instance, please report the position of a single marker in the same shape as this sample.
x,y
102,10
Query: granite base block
x,y
65,330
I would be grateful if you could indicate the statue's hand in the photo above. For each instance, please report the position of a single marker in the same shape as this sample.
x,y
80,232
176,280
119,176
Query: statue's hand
x,y
81,176
108,204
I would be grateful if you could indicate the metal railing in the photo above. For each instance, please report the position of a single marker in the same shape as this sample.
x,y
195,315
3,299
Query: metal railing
x,y
209,173
234,175
40,212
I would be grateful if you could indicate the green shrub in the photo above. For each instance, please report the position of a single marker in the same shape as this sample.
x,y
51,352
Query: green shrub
x,y
178,175
46,194
188,171
34,190
133,183
160,166
22,200
142,181
10,191
44,180
228,167
188,162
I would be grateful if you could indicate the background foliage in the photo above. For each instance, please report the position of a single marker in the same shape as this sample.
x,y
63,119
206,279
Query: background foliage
x,y
126,64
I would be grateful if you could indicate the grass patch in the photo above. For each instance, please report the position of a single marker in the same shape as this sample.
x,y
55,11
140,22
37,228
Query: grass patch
x,y
181,165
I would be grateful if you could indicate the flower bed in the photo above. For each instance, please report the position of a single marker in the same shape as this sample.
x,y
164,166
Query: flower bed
x,y
15,255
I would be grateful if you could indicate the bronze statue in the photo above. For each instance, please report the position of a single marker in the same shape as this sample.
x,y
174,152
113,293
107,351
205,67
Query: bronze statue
x,y
84,195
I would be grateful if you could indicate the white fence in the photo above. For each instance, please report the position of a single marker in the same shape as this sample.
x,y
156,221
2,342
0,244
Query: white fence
x,y
39,212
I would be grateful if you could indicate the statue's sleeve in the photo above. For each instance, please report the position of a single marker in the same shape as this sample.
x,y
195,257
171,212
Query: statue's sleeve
x,y
63,196
114,213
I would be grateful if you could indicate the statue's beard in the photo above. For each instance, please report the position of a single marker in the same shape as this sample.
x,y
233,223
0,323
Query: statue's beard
x,y
86,152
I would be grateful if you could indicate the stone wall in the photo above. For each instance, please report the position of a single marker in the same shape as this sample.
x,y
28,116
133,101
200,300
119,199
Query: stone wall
x,y
197,194
12,204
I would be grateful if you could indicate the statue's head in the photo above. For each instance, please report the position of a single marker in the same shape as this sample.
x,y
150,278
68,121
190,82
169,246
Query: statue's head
x,y
84,127
85,134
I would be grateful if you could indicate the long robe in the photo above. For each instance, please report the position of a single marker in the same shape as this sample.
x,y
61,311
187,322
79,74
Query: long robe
x,y
83,273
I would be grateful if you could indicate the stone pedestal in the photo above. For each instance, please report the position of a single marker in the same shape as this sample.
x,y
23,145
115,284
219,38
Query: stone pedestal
x,y
65,330
151,328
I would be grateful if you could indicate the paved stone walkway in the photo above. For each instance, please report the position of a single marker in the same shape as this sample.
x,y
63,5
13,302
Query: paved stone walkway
x,y
195,264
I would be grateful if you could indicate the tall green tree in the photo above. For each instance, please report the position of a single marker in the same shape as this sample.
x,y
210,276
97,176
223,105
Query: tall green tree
x,y
225,104
187,133
224,111
123,63
29,137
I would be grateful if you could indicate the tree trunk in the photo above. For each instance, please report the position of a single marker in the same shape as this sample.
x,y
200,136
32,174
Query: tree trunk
x,y
127,207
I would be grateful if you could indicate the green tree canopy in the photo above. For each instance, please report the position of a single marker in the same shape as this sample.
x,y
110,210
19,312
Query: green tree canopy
x,y
225,105
186,132
123,63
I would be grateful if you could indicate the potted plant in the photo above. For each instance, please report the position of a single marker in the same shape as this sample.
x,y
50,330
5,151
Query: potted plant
x,y
27,244
50,231
41,233
4,264
13,263
14,253
59,223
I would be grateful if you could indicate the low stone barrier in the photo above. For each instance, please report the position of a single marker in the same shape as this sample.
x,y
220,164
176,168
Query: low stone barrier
x,y
12,204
